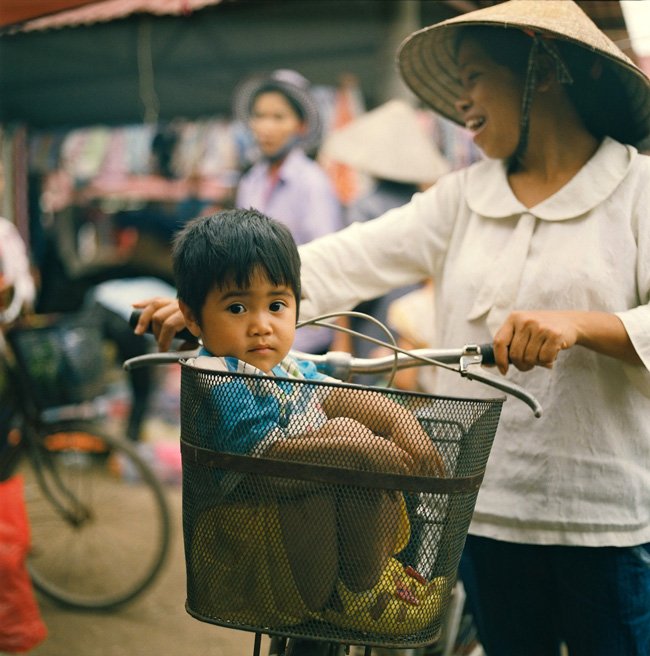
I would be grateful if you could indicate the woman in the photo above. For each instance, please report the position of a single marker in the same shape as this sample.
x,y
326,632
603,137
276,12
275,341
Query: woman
x,y
285,183
544,248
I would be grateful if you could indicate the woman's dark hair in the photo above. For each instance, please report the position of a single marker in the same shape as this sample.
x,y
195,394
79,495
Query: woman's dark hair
x,y
227,248
274,87
598,94
596,91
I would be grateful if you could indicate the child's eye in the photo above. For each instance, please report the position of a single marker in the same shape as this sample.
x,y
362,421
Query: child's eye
x,y
236,308
277,306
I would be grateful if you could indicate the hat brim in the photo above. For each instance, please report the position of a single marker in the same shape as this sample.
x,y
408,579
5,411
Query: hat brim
x,y
245,92
427,63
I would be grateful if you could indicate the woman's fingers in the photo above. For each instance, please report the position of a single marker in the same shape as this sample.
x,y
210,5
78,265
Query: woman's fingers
x,y
164,317
501,345
530,339
147,307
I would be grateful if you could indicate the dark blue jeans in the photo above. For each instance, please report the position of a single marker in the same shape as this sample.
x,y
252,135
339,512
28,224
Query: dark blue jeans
x,y
528,599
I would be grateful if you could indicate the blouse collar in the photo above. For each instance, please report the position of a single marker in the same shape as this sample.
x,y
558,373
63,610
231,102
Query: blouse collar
x,y
488,194
596,181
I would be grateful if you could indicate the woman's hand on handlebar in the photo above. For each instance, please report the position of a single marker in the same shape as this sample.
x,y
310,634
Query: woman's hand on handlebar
x,y
165,318
534,338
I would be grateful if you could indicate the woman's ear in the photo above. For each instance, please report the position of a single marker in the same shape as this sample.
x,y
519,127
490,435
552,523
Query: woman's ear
x,y
192,322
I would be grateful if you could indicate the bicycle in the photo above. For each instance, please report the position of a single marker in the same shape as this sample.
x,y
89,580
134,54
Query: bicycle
x,y
439,509
99,519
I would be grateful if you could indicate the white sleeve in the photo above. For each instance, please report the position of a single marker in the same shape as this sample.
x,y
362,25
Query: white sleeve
x,y
403,246
637,320
637,324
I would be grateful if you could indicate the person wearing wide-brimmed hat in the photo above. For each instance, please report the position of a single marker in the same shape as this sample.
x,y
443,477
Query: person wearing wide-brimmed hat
x,y
285,183
543,248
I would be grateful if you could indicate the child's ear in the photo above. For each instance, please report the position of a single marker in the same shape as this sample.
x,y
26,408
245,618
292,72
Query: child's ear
x,y
190,319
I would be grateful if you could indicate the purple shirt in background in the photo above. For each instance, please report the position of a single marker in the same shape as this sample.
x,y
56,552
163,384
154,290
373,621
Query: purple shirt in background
x,y
302,198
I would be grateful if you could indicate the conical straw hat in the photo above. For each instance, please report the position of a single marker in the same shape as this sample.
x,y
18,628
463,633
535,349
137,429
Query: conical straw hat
x,y
427,62
388,143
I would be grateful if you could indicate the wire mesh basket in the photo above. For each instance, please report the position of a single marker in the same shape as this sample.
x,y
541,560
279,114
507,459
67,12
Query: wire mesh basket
x,y
60,358
300,525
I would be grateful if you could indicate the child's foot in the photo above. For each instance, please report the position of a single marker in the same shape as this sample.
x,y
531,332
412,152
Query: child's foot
x,y
401,602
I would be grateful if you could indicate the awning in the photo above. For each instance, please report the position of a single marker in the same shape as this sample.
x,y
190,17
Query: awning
x,y
53,14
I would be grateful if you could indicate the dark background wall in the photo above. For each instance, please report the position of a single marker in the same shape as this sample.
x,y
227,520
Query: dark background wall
x,y
101,73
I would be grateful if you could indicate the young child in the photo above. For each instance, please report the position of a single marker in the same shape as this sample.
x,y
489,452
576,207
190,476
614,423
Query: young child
x,y
238,280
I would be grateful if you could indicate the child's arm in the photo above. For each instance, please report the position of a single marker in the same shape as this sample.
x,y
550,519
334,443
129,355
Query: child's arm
x,y
384,417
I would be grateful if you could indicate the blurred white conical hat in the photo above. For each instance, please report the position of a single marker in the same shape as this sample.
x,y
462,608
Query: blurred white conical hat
x,y
388,143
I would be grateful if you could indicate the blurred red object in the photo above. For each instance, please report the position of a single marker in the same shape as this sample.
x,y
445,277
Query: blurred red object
x,y
21,625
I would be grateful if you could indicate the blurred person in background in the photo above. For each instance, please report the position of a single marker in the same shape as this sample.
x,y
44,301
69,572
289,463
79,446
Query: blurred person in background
x,y
17,286
285,183
17,294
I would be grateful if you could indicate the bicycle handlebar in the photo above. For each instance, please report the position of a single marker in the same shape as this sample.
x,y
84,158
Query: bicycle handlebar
x,y
341,365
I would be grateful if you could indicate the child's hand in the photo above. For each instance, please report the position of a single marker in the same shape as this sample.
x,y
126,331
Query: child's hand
x,y
385,456
377,413
413,439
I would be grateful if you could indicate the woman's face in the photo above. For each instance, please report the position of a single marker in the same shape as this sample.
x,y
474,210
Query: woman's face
x,y
274,122
490,105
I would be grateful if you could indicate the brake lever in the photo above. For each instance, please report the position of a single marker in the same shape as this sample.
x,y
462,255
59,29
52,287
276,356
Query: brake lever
x,y
501,384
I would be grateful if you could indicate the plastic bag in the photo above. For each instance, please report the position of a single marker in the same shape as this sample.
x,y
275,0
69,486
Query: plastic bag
x,y
21,625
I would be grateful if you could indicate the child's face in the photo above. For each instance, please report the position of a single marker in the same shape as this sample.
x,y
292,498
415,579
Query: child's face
x,y
256,324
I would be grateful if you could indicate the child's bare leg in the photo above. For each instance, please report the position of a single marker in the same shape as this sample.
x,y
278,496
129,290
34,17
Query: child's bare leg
x,y
369,523
309,534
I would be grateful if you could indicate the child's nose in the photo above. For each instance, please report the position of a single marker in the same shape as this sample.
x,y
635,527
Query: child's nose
x,y
260,323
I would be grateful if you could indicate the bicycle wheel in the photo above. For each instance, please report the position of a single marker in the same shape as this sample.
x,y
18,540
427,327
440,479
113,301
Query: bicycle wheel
x,y
99,536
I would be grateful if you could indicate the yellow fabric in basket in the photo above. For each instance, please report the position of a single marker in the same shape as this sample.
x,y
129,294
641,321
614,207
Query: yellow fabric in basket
x,y
239,558
384,610
240,569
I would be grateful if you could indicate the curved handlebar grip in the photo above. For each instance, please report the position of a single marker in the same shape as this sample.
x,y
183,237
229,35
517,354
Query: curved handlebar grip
x,y
487,354
183,334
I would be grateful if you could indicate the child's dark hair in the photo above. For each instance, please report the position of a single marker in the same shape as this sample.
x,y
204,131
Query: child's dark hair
x,y
227,247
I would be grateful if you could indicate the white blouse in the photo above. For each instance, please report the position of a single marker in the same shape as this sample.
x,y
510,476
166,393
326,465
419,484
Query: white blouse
x,y
580,475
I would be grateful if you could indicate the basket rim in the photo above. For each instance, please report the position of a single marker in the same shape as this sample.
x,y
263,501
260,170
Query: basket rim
x,y
328,474
196,370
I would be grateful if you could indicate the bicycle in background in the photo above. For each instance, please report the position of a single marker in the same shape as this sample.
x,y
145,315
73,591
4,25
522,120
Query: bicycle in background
x,y
100,525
